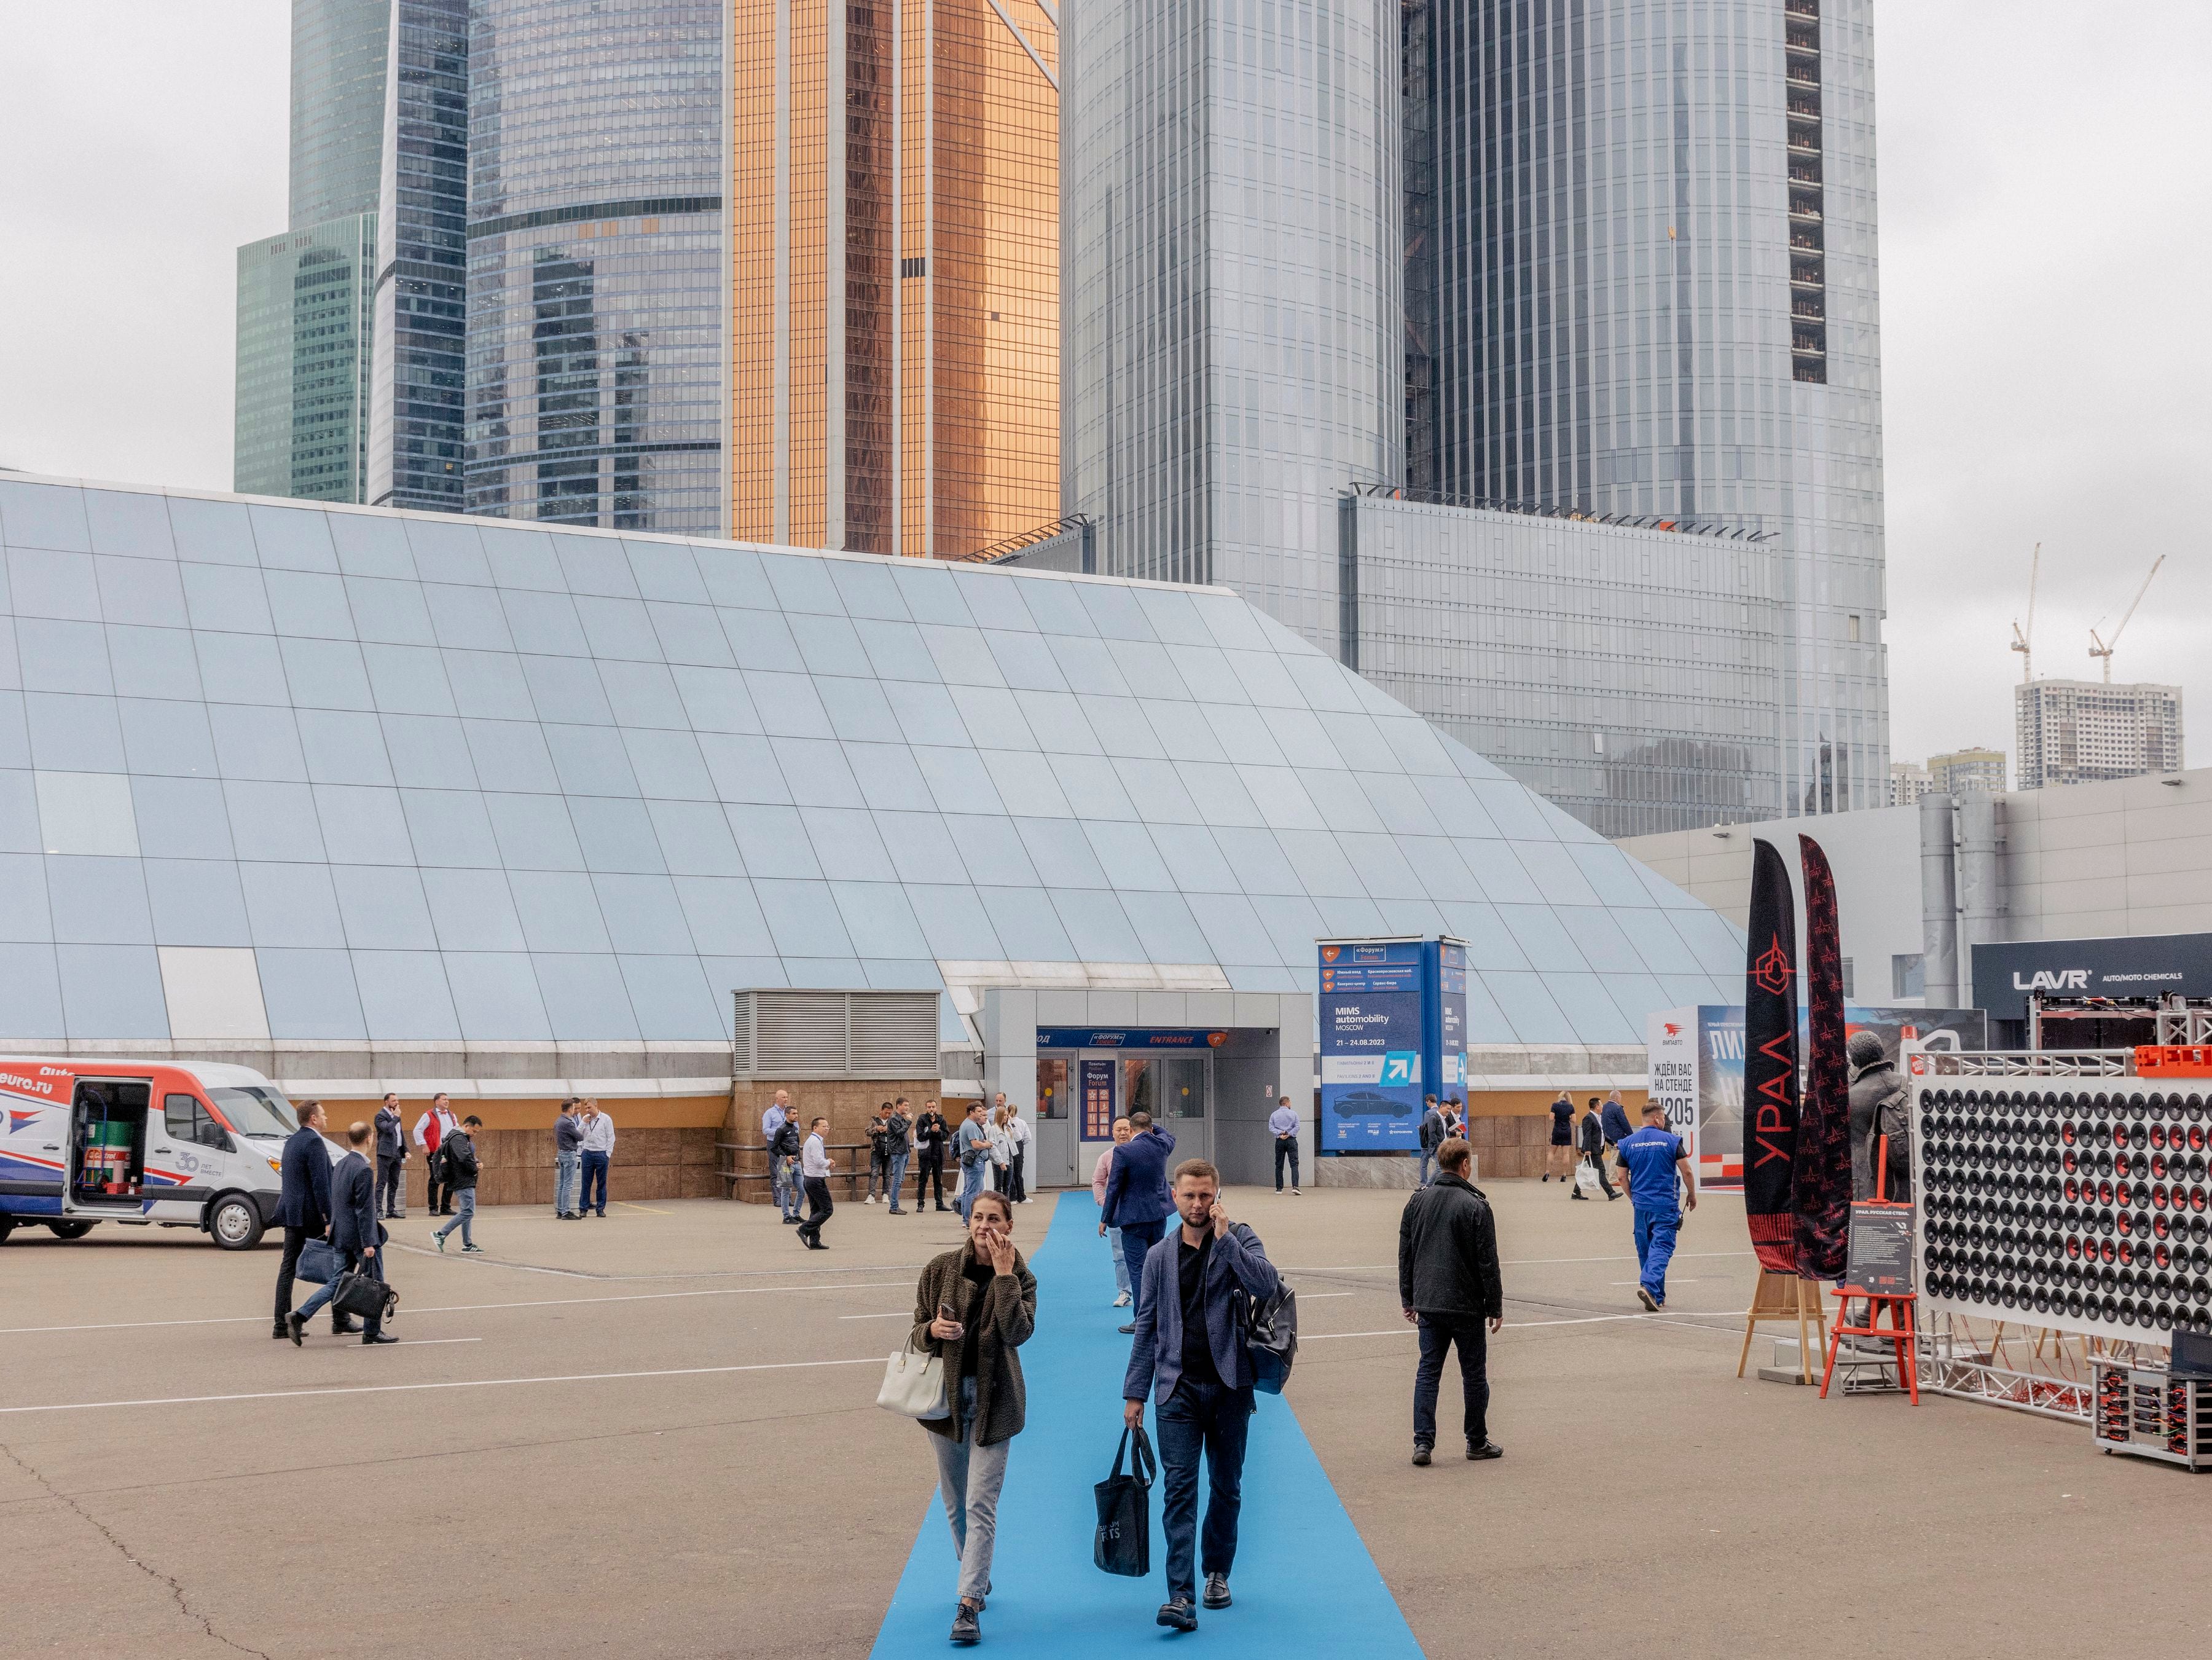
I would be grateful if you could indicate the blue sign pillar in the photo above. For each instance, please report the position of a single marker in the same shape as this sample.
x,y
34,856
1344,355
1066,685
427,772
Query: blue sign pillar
x,y
1443,1025
1372,1075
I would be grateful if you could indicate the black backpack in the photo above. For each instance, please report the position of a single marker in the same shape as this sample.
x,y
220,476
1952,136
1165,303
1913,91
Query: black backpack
x,y
1271,1329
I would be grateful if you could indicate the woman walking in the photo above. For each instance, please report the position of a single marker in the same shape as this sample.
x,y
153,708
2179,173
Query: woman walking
x,y
1099,1172
974,1307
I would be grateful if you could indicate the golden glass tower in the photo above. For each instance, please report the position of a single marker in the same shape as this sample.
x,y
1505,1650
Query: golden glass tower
x,y
895,272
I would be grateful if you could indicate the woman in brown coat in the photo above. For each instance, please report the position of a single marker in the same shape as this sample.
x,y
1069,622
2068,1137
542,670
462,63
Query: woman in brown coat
x,y
974,1307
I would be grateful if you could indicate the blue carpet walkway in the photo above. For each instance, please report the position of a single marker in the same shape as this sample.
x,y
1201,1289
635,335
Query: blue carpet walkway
x,y
1304,1584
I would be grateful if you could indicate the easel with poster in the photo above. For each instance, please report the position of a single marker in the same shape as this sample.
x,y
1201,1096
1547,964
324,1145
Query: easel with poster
x,y
1786,1296
1879,1277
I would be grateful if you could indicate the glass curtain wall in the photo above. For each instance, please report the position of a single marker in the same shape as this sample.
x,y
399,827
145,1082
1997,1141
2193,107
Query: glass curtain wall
x,y
594,255
303,331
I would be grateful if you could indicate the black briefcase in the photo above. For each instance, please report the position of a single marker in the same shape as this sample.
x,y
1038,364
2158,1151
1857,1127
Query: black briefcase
x,y
1123,1542
363,1296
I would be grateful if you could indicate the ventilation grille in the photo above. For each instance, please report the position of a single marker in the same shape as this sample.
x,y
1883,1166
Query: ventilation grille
x,y
888,1035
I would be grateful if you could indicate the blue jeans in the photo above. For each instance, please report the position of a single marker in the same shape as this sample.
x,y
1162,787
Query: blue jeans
x,y
1654,1248
897,1177
595,1169
1137,1238
972,1180
1427,1159
783,1175
565,1166
1121,1262
1216,1419
464,1212
1438,1333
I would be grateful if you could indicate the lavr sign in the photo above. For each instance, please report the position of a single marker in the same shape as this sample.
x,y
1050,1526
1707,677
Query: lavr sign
x,y
2051,979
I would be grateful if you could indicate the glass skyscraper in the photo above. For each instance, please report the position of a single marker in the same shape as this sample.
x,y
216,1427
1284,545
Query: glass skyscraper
x,y
303,326
596,283
1234,308
416,429
895,258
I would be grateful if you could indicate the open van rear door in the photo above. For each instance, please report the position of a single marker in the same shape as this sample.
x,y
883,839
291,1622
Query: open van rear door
x,y
106,1147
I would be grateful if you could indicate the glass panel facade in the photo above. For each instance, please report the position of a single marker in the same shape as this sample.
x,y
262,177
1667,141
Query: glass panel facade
x,y
574,854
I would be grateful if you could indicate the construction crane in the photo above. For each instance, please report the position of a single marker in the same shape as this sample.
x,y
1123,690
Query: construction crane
x,y
2103,648
2023,639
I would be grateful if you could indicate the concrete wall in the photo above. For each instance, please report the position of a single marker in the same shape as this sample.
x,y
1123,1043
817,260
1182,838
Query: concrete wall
x,y
2133,856
848,1103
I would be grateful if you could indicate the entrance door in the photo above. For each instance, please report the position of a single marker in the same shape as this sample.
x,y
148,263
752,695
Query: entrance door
x,y
1052,1149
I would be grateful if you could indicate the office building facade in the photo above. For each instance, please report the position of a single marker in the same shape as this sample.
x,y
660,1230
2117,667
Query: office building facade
x,y
416,400
1967,770
594,263
894,320
302,361
2081,732
1908,782
1233,290
1644,284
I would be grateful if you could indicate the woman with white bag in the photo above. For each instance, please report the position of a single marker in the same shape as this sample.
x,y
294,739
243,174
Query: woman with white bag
x,y
972,1309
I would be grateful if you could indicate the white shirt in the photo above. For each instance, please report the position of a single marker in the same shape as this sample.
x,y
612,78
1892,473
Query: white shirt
x,y
1019,1127
812,1160
599,1134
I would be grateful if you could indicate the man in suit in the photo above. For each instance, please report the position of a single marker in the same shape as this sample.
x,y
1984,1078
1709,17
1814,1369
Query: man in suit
x,y
303,1204
1190,1357
1137,1200
390,1159
1433,1131
355,1234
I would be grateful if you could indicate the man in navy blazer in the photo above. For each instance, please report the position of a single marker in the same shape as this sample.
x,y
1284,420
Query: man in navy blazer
x,y
1190,1357
354,1234
303,1206
1137,1200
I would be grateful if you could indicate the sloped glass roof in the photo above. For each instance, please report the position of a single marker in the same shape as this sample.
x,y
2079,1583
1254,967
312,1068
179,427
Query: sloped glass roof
x,y
390,777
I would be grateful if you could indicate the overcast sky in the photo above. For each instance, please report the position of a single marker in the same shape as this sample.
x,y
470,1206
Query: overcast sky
x,y
2046,238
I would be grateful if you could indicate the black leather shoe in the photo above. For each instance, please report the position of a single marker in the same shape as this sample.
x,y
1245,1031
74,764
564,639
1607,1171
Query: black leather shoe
x,y
279,1331
293,1326
1129,1330
377,1337
1178,1614
1486,1450
965,1630
1216,1595
1420,1453
347,1329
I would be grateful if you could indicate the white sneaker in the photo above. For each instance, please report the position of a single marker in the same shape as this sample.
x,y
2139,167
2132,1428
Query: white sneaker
x,y
870,1199
1021,1201
1297,1193
1121,1301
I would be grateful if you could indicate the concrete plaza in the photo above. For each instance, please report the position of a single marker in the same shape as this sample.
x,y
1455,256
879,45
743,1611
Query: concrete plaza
x,y
657,1434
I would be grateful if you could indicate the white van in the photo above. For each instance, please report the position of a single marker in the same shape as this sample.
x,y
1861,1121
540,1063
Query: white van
x,y
179,1146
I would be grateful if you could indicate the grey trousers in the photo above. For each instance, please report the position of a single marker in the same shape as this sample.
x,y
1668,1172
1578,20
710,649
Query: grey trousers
x,y
968,1478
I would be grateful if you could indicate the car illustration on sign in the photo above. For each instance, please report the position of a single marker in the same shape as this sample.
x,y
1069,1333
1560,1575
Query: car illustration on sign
x,y
1372,1103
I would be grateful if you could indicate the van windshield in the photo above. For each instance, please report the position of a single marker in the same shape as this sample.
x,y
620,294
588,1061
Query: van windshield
x,y
253,1110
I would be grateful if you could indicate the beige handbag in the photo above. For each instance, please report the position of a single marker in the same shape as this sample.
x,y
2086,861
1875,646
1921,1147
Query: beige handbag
x,y
914,1384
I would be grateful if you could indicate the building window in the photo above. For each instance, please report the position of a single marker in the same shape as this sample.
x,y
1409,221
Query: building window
x,y
1908,974
1854,628
1849,990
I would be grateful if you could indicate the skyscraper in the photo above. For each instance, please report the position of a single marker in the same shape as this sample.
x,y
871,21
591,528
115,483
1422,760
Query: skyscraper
x,y
415,427
894,237
1233,289
596,280
1650,280
303,325
1623,272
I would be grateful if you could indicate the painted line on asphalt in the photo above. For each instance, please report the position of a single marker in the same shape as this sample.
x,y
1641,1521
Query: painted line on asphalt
x,y
1514,1263
453,1384
1408,1330
896,1314
473,1308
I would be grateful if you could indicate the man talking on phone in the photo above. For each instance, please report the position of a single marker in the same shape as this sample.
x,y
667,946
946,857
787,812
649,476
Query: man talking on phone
x,y
1189,1355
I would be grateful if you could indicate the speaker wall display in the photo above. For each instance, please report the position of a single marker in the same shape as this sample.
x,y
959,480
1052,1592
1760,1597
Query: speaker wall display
x,y
2079,1204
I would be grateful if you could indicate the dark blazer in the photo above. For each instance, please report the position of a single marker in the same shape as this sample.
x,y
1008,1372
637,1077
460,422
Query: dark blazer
x,y
1448,1252
1434,1131
1589,1132
1005,1316
352,1204
305,1172
1156,1355
1615,1119
1137,1184
390,1134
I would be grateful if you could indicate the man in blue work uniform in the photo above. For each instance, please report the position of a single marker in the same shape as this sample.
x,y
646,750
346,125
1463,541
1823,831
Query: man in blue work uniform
x,y
1653,1159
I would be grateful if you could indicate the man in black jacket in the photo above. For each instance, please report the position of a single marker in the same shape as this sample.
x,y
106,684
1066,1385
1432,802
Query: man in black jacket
x,y
303,1205
785,1144
930,1134
1450,1288
354,1234
458,1148
1589,1141
390,1159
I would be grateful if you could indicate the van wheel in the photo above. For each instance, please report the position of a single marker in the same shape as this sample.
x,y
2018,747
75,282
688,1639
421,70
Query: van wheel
x,y
235,1222
69,1230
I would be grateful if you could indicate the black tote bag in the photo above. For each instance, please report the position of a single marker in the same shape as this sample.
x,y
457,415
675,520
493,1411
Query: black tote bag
x,y
1123,1542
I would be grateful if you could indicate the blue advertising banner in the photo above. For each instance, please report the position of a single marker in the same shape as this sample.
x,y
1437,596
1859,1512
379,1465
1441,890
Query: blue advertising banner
x,y
1371,1018
1128,1037
1444,1036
